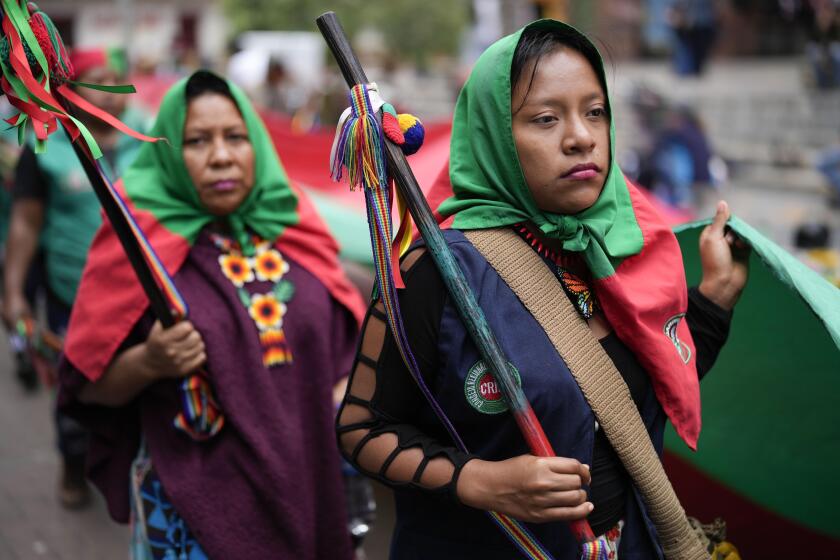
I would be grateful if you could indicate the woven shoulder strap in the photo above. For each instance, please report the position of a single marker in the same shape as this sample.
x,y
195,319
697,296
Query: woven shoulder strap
x,y
602,385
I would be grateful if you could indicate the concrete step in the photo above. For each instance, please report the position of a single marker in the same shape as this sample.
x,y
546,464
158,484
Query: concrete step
x,y
755,111
791,179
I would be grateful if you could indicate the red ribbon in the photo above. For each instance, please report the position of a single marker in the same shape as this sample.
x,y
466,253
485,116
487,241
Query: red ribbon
x,y
92,109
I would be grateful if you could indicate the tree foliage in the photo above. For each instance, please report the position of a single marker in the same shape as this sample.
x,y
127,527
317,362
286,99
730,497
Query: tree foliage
x,y
412,29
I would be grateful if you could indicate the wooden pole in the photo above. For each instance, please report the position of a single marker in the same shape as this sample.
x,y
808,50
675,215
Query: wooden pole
x,y
124,233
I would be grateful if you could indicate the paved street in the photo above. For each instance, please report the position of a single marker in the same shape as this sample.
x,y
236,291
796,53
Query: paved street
x,y
773,199
32,523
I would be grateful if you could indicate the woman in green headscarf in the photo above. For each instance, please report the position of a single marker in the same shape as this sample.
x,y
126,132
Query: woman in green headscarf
x,y
532,156
272,322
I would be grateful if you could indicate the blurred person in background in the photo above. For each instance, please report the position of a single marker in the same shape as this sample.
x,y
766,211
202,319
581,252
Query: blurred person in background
x,y
828,163
54,216
812,242
675,157
822,18
273,94
9,153
694,25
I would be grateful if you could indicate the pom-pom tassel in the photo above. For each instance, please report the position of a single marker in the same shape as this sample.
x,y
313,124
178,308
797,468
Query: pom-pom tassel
x,y
404,130
50,42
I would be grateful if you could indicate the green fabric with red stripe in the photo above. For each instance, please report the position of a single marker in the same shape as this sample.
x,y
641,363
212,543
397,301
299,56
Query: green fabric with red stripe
x,y
771,424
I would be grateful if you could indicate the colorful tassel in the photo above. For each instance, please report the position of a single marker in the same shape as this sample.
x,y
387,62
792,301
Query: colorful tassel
x,y
35,64
200,417
359,146
61,70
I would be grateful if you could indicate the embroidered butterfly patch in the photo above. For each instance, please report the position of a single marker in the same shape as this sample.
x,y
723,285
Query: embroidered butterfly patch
x,y
578,291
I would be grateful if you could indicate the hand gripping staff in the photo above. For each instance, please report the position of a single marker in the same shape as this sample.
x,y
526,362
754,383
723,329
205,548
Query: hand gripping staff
x,y
200,417
35,73
362,150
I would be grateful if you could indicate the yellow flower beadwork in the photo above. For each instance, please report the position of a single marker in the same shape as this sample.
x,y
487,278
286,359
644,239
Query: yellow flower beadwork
x,y
270,266
266,311
237,269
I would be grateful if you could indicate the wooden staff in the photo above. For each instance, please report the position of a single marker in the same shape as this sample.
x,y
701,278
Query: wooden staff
x,y
103,189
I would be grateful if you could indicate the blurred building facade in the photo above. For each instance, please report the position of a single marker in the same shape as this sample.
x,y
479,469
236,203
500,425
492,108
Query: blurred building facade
x,y
163,31
633,28
155,31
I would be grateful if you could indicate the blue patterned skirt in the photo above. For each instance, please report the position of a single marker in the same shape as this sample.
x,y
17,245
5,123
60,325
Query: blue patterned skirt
x,y
157,531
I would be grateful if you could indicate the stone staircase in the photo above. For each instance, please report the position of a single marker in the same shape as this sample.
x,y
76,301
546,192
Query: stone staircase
x,y
759,114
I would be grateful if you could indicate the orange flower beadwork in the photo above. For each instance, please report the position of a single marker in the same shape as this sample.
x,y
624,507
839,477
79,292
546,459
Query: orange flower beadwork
x,y
266,311
270,266
236,268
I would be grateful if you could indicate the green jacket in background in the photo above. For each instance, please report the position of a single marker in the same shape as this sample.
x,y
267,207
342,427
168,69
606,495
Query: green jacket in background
x,y
72,213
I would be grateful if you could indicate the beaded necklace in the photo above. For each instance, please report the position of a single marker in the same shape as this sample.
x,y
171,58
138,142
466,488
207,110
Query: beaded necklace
x,y
267,309
575,287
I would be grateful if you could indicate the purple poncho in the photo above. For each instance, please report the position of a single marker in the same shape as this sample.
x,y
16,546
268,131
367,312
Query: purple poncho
x,y
268,485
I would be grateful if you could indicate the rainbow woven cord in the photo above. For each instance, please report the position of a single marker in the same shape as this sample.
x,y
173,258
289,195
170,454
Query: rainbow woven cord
x,y
175,300
595,550
200,415
520,537
360,148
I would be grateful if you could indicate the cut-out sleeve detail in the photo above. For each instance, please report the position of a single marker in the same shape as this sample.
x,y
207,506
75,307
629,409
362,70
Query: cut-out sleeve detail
x,y
377,312
370,362
377,421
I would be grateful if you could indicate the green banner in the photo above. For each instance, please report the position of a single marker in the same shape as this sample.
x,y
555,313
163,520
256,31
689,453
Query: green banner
x,y
771,404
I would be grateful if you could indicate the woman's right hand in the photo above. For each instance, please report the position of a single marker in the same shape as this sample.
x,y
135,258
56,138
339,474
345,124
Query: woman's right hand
x,y
528,488
174,352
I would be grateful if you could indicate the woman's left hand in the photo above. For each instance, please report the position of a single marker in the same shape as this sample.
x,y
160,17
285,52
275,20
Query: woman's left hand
x,y
725,261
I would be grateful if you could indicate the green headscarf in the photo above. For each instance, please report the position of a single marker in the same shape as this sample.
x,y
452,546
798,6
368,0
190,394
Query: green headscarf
x,y
489,188
158,180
